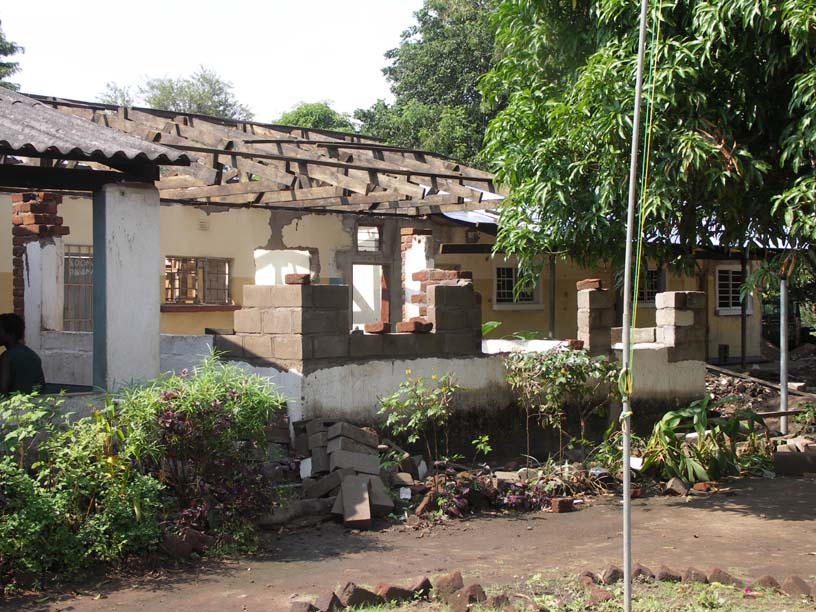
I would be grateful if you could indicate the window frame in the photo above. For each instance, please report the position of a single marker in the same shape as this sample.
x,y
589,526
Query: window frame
x,y
661,284
202,291
537,302
729,311
379,249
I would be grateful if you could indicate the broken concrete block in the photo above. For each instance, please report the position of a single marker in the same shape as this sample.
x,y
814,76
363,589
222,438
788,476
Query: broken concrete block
x,y
675,486
381,502
611,574
665,574
356,502
347,430
295,510
318,440
642,572
723,577
794,586
421,588
324,486
391,593
337,508
692,574
306,468
464,598
302,606
401,479
562,504
353,595
358,462
320,461
347,444
328,602
448,584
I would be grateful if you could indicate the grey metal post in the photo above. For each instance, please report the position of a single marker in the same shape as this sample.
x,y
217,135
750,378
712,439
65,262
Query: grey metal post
x,y
627,318
783,353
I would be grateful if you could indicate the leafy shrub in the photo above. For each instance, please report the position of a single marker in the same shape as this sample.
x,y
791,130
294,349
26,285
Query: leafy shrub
x,y
421,409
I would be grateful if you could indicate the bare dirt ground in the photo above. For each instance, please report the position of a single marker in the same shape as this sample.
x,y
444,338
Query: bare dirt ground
x,y
765,527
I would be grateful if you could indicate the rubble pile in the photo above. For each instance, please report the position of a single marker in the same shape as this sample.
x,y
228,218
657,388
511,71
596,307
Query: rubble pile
x,y
751,395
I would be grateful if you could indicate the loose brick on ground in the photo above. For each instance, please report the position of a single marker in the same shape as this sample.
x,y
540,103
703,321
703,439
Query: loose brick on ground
x,y
353,595
356,502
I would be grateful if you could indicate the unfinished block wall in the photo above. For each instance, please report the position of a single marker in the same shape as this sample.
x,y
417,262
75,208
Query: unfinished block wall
x,y
596,316
681,324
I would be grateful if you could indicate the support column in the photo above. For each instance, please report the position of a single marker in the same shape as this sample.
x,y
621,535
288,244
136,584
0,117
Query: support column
x,y
127,270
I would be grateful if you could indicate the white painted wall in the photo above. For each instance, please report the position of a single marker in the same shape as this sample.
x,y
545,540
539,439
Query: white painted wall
x,y
417,257
271,267
366,297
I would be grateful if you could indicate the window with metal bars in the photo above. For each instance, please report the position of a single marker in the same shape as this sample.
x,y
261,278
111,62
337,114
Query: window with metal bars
x,y
649,286
729,281
197,280
506,279
77,312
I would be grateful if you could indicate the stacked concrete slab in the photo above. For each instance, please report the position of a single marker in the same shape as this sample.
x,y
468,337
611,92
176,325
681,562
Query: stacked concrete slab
x,y
681,324
345,463
596,316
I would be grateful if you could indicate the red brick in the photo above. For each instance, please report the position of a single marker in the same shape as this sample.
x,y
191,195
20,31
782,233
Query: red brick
x,y
421,276
414,327
575,345
60,230
589,283
438,275
562,504
22,240
17,219
38,219
414,231
23,197
466,274
28,230
298,279
18,282
418,298
18,292
378,328
451,274
18,251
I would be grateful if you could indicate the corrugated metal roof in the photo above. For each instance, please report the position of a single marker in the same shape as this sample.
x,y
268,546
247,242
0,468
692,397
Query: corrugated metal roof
x,y
30,128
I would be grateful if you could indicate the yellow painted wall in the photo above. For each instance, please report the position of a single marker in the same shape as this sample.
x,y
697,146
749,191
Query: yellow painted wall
x,y
326,232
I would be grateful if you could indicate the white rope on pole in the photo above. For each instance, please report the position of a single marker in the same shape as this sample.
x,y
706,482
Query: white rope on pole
x,y
627,318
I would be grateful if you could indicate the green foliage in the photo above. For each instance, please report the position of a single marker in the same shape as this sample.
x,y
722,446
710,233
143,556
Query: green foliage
x,y
489,326
545,383
316,115
421,408
7,49
434,76
180,452
733,134
806,421
712,454
482,446
204,93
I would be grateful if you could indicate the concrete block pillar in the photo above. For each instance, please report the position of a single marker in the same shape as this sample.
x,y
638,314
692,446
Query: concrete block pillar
x,y
681,324
596,316
127,269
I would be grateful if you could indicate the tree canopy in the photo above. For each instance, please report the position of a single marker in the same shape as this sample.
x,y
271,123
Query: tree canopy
x,y
434,75
8,49
733,136
204,93
316,115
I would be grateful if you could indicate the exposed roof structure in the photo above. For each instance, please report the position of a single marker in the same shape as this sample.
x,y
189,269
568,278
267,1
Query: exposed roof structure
x,y
243,163
31,131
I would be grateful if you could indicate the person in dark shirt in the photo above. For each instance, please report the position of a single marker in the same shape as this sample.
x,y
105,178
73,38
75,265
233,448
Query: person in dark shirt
x,y
20,367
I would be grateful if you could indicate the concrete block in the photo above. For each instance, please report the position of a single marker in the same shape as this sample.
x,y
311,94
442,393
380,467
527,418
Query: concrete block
x,y
594,298
317,425
597,318
368,345
298,279
320,461
258,346
327,347
674,317
381,502
466,343
231,346
280,320
414,326
429,344
589,283
473,318
267,296
356,502
380,327
247,320
696,300
681,336
318,440
330,296
641,335
292,346
687,352
683,300
324,322
395,345
350,445
346,430
358,462
302,445
322,487
447,295
337,508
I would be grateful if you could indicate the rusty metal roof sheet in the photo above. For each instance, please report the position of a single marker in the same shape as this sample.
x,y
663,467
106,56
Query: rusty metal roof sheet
x,y
30,128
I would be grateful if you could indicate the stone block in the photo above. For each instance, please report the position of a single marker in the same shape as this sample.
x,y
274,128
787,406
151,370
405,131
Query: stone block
x,y
380,327
320,461
347,430
381,502
448,295
330,296
230,346
298,279
258,346
292,346
324,486
692,574
362,346
247,320
276,296
465,598
329,347
302,606
395,345
448,584
328,602
673,317
347,444
358,462
560,505
590,299
355,596
318,440
356,502
466,343
589,283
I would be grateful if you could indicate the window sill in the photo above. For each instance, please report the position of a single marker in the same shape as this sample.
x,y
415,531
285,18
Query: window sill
x,y
509,306
200,307
731,312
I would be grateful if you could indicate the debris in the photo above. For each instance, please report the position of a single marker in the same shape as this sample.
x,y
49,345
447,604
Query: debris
x,y
461,600
723,577
765,582
611,574
353,595
794,586
562,504
356,502
642,572
675,486
665,574
328,602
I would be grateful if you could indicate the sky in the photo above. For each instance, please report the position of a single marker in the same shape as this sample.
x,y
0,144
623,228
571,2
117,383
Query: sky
x,y
276,53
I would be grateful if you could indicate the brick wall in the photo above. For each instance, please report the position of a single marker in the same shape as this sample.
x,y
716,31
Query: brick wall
x,y
34,217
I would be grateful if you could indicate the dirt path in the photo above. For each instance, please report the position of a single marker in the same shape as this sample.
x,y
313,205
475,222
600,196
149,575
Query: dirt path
x,y
767,527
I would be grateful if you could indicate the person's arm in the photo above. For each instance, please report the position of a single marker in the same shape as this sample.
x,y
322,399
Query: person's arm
x,y
5,374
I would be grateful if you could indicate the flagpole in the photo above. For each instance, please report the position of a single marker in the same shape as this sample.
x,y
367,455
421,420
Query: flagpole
x,y
627,320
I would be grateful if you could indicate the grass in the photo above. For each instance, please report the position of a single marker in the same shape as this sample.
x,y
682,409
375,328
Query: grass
x,y
565,595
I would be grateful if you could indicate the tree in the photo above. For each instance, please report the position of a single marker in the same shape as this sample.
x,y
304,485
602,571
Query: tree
x,y
204,93
7,49
733,138
434,76
316,115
